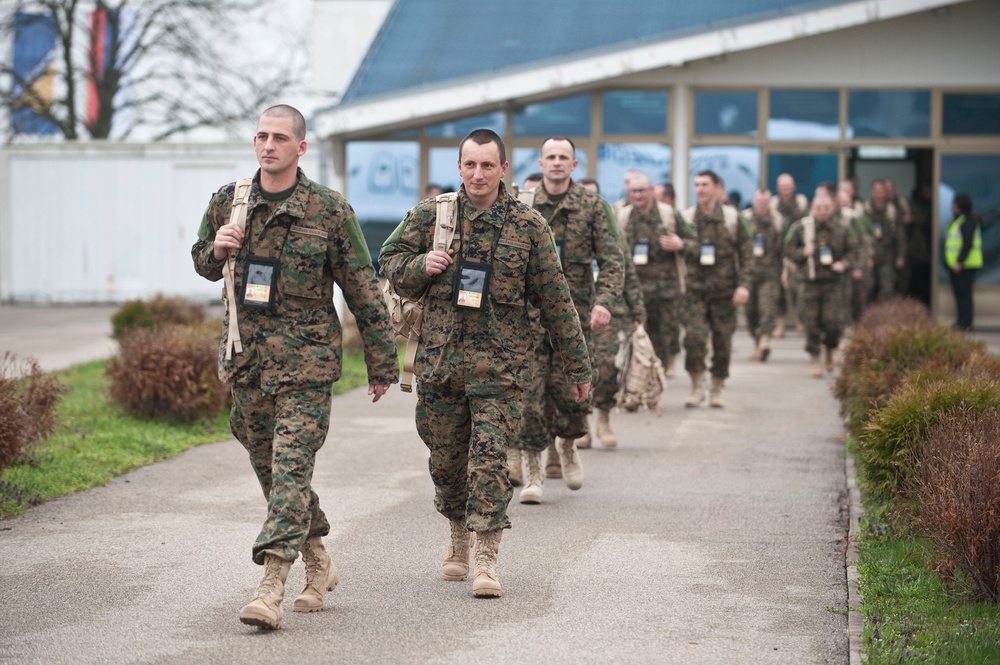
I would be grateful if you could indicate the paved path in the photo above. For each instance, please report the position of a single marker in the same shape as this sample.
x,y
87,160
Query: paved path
x,y
709,536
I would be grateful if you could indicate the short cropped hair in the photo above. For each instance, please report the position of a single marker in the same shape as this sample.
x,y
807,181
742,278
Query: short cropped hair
x,y
711,174
483,137
286,111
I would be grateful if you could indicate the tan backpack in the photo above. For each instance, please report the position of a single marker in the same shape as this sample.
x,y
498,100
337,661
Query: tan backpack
x,y
641,379
406,315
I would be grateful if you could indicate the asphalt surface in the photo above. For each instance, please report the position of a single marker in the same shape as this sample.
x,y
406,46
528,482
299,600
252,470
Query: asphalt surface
x,y
713,536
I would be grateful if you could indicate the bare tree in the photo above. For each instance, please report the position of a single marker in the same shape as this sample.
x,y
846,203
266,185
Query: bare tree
x,y
168,66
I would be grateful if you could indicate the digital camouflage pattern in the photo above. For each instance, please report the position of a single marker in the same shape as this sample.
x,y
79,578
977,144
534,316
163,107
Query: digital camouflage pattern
x,y
791,211
661,287
821,300
605,342
765,294
708,306
281,382
890,244
479,362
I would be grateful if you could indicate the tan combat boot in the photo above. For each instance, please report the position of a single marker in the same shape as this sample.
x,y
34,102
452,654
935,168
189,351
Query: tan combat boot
x,y
779,327
514,467
604,432
584,441
817,369
830,356
572,465
764,347
553,468
755,354
668,366
531,493
265,610
455,566
486,583
697,395
715,396
321,576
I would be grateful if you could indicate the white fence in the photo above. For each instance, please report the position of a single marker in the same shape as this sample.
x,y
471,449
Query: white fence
x,y
104,222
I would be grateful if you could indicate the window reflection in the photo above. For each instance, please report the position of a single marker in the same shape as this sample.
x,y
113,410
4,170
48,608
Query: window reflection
x,y
457,129
569,116
888,113
634,112
971,114
725,113
805,115
614,159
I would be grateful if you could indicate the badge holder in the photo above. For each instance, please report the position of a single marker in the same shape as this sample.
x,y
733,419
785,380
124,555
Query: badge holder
x,y
758,245
640,253
878,231
472,284
825,256
707,254
261,282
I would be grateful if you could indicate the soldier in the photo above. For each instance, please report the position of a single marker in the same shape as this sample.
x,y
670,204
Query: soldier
x,y
768,228
282,349
717,248
890,240
585,232
860,279
665,194
473,362
821,246
792,207
650,229
625,315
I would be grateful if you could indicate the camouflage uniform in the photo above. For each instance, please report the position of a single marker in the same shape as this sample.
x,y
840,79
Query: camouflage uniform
x,y
584,226
790,211
821,301
890,244
708,306
765,293
281,382
856,290
661,285
473,366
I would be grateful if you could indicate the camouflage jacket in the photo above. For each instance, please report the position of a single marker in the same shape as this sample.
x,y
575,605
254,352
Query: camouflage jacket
x,y
317,238
889,231
733,253
767,246
659,276
584,227
832,233
634,307
791,211
492,348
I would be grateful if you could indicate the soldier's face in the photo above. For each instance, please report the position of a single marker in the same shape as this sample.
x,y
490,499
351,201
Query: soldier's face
x,y
786,188
277,149
822,207
557,162
480,169
761,203
704,190
878,195
640,194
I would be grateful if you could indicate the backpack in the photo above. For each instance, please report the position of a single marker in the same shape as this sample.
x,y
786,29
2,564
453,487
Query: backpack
x,y
641,379
406,315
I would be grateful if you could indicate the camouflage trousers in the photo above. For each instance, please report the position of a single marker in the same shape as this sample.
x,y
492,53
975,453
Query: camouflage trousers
x,y
549,407
859,289
663,323
467,436
282,433
823,312
703,317
885,280
762,307
603,351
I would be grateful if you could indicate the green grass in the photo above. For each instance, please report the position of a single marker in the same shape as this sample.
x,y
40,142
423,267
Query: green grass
x,y
910,615
95,441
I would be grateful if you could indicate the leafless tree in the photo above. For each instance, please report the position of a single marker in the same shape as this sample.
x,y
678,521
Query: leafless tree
x,y
169,66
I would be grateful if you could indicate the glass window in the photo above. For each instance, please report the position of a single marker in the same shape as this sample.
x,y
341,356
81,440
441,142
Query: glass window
x,y
725,113
382,179
524,162
738,166
808,170
569,116
975,175
809,115
411,133
888,113
458,129
614,159
443,168
634,112
971,114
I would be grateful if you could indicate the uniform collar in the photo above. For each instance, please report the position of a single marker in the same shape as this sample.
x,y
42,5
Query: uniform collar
x,y
293,206
494,215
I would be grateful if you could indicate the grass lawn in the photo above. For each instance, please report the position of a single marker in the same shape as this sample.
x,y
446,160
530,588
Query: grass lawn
x,y
94,441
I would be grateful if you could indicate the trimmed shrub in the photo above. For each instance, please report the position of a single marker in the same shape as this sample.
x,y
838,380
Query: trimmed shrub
x,y
957,497
28,398
168,373
876,363
895,312
155,313
891,444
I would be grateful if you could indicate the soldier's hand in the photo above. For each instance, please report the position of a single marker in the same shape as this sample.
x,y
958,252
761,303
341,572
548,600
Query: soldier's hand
x,y
599,317
740,296
436,262
808,249
227,237
838,267
900,262
378,390
858,274
580,391
671,242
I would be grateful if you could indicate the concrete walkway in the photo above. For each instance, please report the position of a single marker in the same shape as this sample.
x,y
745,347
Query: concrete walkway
x,y
709,536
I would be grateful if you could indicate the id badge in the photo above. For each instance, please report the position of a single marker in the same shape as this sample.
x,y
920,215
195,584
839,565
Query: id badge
x,y
640,253
707,254
559,251
825,256
758,245
472,281
878,230
261,282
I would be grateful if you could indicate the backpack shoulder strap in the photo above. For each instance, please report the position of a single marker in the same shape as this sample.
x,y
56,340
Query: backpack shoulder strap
x,y
623,215
527,197
667,216
446,220
731,218
238,216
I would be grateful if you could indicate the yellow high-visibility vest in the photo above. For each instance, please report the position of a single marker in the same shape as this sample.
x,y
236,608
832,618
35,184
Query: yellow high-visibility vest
x,y
953,245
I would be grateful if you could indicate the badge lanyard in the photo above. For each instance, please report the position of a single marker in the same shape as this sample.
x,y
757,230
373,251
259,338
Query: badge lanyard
x,y
472,279
260,289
